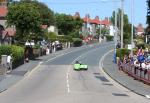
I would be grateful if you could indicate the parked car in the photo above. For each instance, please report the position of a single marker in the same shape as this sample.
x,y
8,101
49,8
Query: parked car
x,y
59,46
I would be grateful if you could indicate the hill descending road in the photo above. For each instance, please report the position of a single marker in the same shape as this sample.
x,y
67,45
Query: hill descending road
x,y
55,81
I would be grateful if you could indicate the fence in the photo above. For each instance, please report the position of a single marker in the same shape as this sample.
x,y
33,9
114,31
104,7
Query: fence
x,y
137,73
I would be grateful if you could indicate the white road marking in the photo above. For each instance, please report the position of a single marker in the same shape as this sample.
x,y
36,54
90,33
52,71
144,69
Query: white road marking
x,y
147,96
33,70
68,89
68,71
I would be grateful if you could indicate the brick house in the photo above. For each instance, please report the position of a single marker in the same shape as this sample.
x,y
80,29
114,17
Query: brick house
x,y
6,33
139,30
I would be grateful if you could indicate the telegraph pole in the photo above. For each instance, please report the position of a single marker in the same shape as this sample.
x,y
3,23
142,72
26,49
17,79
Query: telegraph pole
x,y
132,29
115,36
122,13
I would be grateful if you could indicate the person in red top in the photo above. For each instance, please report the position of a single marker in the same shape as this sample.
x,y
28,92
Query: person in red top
x,y
140,52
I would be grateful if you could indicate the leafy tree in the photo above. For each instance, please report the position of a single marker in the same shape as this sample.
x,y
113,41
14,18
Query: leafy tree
x,y
46,14
127,25
67,24
26,19
148,18
148,13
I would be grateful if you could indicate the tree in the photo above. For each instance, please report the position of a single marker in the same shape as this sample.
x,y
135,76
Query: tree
x,y
67,24
148,18
46,14
148,12
26,19
127,25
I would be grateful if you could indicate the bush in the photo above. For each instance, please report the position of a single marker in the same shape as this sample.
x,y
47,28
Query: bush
x,y
77,42
140,45
121,52
16,51
36,46
5,50
109,38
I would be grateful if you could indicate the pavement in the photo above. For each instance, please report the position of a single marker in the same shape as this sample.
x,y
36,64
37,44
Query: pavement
x,y
109,67
122,78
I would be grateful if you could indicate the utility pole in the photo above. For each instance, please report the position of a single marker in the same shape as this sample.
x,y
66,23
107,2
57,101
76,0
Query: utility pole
x,y
115,37
100,31
132,29
122,13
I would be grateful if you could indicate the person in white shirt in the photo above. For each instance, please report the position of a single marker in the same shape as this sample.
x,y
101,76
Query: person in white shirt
x,y
143,65
9,62
136,63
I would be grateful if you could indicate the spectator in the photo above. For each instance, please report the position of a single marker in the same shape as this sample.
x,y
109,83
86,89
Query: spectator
x,y
26,55
9,62
140,55
140,52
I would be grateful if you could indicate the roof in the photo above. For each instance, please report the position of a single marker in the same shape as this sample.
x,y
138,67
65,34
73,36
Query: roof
x,y
105,22
95,21
3,11
11,31
140,28
86,19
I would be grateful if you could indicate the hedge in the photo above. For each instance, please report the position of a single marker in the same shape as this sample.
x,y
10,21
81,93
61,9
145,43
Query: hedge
x,y
16,51
77,42
109,38
121,52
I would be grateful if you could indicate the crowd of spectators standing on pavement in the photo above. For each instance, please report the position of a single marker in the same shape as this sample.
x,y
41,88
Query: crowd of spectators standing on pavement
x,y
139,59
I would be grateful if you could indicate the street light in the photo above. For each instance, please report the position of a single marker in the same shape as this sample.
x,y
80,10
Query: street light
x,y
132,29
122,13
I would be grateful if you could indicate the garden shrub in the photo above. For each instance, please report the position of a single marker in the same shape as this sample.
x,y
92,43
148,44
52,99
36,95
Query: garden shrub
x,y
122,52
16,51
109,38
77,42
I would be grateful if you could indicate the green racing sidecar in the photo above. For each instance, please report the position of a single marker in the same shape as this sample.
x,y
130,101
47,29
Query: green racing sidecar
x,y
80,66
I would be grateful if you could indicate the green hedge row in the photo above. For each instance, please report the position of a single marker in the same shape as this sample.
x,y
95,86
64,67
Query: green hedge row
x,y
16,51
109,38
121,52
77,42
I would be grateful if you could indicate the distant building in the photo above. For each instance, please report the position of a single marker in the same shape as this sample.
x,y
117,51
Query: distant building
x,y
139,30
52,29
92,25
111,30
77,15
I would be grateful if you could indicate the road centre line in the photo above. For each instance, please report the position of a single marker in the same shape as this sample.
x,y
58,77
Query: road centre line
x,y
68,72
34,69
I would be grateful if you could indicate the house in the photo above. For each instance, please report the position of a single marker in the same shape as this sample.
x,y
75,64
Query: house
x,y
139,30
6,33
92,25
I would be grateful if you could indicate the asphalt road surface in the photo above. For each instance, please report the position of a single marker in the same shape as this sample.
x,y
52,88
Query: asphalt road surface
x,y
55,81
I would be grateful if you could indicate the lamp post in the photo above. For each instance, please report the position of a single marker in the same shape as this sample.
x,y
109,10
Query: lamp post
x,y
115,37
100,31
122,13
132,28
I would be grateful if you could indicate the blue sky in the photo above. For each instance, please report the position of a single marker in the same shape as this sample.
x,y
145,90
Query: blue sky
x,y
99,8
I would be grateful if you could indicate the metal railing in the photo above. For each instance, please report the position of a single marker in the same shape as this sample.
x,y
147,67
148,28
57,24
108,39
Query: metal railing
x,y
137,73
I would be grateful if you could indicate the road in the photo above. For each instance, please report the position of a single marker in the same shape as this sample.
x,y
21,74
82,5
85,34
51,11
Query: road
x,y
55,81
